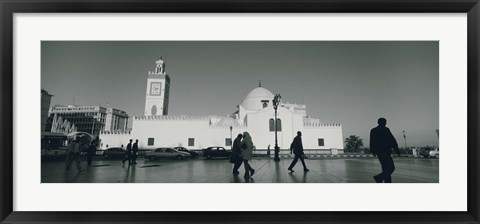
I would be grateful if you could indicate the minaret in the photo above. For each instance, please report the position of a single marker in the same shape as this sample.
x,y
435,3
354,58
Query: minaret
x,y
158,89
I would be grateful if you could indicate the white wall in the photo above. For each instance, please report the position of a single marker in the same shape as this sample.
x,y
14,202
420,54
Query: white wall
x,y
171,133
332,136
168,131
114,140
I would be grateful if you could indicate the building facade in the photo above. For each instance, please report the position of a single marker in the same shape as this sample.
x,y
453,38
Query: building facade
x,y
255,115
90,119
45,105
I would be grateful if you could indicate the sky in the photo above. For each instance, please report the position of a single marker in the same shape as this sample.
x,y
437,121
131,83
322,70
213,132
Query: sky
x,y
348,82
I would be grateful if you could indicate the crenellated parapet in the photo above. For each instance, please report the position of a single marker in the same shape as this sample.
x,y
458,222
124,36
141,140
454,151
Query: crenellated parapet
x,y
117,132
321,124
174,117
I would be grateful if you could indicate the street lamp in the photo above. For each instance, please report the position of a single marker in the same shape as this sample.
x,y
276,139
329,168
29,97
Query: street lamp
x,y
405,138
276,101
93,125
231,144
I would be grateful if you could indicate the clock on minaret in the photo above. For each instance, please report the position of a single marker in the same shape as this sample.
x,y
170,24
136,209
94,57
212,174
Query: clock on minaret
x,y
155,88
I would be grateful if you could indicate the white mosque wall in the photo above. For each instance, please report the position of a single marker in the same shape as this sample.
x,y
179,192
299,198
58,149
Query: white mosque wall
x,y
112,139
168,131
331,135
171,132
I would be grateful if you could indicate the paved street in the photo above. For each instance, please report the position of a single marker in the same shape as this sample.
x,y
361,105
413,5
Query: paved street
x,y
322,170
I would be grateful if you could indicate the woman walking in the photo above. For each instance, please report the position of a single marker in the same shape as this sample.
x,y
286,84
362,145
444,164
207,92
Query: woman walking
x,y
247,146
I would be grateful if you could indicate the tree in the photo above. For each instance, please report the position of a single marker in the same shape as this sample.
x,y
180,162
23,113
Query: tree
x,y
353,143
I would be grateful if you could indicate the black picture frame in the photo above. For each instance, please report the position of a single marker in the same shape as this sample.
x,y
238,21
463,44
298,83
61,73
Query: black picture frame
x,y
9,7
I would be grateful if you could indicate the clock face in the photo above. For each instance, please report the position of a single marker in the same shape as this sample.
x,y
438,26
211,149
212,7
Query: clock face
x,y
155,88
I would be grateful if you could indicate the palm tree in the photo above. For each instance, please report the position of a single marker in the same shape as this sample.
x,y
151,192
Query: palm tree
x,y
353,143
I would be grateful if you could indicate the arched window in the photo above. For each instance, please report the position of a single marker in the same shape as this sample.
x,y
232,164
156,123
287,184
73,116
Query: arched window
x,y
271,124
154,110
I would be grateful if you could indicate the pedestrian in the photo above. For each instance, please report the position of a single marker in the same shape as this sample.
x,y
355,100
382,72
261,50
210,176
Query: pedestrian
x,y
73,154
134,152
67,154
297,148
91,150
237,154
128,153
268,150
381,144
247,146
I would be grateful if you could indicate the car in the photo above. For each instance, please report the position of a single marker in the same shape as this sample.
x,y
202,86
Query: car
x,y
166,153
216,151
428,152
53,154
183,149
112,153
434,153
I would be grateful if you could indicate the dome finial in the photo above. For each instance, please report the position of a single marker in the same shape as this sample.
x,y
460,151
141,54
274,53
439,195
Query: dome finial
x,y
259,83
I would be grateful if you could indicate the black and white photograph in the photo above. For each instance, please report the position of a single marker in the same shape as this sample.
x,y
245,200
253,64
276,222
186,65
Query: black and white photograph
x,y
240,112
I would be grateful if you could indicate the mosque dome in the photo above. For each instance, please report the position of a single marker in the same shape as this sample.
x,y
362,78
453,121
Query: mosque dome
x,y
255,99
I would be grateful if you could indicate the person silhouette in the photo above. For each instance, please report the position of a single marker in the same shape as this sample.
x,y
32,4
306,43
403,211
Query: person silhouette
x,y
91,150
73,154
128,153
247,146
134,152
237,154
381,144
297,148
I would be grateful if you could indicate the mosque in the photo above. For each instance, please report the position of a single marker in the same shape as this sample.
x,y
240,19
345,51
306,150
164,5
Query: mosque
x,y
256,114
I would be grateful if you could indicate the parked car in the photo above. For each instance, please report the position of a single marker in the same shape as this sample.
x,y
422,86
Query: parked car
x,y
216,151
183,149
53,154
429,152
166,153
113,153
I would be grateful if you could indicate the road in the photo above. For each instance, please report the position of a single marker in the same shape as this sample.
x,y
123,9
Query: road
x,y
322,170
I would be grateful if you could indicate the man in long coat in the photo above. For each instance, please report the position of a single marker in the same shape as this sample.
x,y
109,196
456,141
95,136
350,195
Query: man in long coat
x,y
128,153
297,148
381,144
134,152
237,154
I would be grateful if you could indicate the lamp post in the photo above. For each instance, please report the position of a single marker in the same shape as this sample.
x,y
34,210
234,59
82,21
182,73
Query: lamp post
x,y
405,138
231,142
276,101
93,125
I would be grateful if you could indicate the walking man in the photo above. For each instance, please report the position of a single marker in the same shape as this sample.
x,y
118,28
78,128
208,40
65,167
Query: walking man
x,y
134,152
73,154
128,153
381,144
237,154
91,150
297,148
